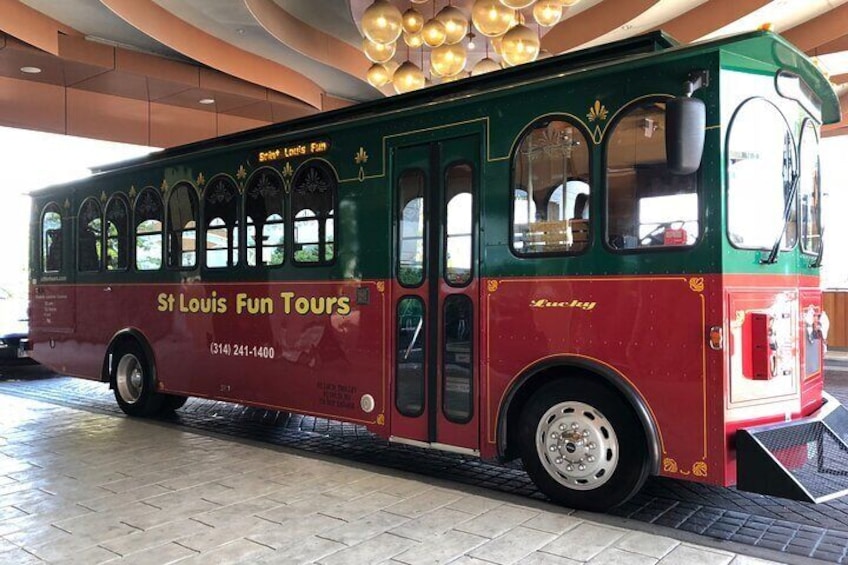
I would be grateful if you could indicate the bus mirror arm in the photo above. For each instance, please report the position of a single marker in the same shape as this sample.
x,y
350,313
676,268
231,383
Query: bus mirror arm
x,y
686,120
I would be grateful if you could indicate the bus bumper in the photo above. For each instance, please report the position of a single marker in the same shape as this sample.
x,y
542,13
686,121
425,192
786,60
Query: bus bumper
x,y
803,460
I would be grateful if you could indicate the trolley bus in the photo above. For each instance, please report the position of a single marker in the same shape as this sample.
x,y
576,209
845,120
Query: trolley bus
x,y
605,263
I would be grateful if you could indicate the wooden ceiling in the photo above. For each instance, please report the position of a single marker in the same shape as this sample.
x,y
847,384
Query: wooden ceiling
x,y
166,72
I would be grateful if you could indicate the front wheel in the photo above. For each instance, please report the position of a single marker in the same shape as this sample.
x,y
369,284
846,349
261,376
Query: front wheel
x,y
583,444
134,383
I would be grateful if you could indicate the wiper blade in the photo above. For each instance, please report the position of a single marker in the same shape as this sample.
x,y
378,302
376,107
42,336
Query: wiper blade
x,y
787,211
817,263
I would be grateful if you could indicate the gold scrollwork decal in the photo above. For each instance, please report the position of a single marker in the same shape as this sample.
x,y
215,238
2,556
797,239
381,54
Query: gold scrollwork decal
x,y
164,186
241,174
492,286
597,112
669,465
381,419
201,180
699,469
696,284
381,286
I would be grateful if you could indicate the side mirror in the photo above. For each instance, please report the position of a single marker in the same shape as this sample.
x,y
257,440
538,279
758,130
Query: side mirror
x,y
685,122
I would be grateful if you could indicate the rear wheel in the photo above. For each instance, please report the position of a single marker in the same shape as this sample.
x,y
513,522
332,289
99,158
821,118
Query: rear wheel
x,y
133,382
583,444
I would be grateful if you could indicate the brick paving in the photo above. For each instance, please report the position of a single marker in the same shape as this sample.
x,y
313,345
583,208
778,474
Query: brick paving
x,y
794,528
87,487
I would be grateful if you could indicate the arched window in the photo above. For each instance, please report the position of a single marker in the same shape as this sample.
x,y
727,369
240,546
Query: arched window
x,y
647,205
51,238
761,163
411,227
117,233
550,172
264,218
809,190
149,213
89,236
182,227
313,203
221,212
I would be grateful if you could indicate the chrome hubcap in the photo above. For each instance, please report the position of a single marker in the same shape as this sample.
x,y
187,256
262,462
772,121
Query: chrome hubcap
x,y
129,378
577,445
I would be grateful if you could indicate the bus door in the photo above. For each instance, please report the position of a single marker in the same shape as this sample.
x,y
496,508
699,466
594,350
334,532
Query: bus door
x,y
435,395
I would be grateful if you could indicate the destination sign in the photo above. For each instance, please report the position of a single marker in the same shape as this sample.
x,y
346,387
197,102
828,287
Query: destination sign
x,y
296,150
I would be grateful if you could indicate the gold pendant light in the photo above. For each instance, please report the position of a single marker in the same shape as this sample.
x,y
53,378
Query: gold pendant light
x,y
378,75
517,4
547,12
448,60
408,77
413,21
491,18
382,22
378,52
520,45
455,22
434,33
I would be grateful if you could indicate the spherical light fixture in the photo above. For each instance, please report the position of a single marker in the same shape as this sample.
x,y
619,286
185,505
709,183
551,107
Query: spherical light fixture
x,y
456,25
419,1
378,52
490,17
484,66
547,12
448,60
497,45
408,77
414,40
382,22
517,4
520,45
413,21
434,33
378,75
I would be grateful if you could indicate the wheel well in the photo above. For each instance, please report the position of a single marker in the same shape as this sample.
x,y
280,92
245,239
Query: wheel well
x,y
533,380
120,340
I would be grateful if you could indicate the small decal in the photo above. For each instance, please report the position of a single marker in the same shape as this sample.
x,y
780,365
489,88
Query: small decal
x,y
669,465
597,112
241,174
699,469
200,179
696,284
492,286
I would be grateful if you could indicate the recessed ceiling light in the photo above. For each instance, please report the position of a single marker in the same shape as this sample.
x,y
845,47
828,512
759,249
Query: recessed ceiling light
x,y
207,101
30,70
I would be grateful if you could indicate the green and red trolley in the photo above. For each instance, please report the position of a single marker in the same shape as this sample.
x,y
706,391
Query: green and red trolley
x,y
605,263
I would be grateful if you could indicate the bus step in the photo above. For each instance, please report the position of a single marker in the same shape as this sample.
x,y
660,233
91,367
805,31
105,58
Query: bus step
x,y
803,460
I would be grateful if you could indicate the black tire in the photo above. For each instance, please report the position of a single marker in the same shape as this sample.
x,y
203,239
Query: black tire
x,y
591,452
134,383
171,402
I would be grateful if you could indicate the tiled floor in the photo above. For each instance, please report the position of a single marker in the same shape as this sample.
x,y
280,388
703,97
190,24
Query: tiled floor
x,y
79,487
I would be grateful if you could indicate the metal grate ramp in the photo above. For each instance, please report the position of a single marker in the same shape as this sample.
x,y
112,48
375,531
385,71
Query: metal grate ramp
x,y
805,460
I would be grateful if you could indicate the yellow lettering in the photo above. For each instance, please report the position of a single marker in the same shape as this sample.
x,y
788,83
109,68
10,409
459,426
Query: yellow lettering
x,y
344,306
287,298
301,305
166,302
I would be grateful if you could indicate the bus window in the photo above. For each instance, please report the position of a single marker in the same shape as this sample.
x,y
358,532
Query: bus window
x,y
117,234
458,384
760,165
647,206
148,230
51,239
264,219
221,213
410,380
89,232
182,227
550,194
810,190
459,224
411,225
313,201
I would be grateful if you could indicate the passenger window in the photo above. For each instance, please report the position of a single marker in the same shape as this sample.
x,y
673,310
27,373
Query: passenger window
x,y
313,203
221,211
89,236
51,239
459,224
647,206
264,219
810,190
182,227
148,230
411,227
550,190
760,164
117,234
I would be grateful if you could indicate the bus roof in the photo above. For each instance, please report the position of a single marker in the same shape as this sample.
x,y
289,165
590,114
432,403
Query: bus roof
x,y
761,42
